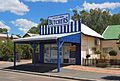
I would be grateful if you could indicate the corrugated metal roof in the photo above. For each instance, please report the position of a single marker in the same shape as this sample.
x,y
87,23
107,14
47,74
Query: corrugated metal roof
x,y
84,29
88,31
111,32
45,37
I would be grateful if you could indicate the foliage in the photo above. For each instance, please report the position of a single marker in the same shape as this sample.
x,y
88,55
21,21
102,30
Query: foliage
x,y
97,19
113,53
97,52
87,56
3,30
35,30
6,51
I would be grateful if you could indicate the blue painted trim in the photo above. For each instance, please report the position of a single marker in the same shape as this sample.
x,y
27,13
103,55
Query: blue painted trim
x,y
71,27
79,25
61,43
71,38
67,28
57,29
41,51
51,30
75,26
78,54
45,29
15,54
58,55
40,30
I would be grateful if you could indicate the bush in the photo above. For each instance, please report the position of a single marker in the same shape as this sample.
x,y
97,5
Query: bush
x,y
6,51
87,56
103,65
113,53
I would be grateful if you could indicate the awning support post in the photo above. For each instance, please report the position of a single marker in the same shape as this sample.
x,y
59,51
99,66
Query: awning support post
x,y
78,54
41,52
15,54
59,45
34,46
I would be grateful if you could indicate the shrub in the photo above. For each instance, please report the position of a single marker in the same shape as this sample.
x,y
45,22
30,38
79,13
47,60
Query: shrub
x,y
112,53
87,56
103,65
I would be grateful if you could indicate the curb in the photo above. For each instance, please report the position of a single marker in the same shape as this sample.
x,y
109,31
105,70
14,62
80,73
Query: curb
x,y
50,75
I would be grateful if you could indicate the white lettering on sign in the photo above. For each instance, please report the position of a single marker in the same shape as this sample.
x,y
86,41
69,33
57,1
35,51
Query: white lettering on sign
x,y
58,20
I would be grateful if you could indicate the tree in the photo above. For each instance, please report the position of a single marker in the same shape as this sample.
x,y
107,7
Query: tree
x,y
3,30
43,21
115,19
35,30
96,19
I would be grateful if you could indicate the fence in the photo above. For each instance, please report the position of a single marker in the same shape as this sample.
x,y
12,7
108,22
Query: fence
x,y
95,62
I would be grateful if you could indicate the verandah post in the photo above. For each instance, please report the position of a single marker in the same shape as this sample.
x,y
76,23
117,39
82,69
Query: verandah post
x,y
58,55
15,54
41,52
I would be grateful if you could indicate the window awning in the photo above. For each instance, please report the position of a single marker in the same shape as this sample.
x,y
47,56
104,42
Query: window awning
x,y
67,37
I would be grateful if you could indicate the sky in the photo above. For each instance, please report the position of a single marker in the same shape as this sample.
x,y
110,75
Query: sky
x,y
18,16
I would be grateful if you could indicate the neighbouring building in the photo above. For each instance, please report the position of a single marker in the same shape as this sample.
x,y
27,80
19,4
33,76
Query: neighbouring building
x,y
109,43
6,36
29,35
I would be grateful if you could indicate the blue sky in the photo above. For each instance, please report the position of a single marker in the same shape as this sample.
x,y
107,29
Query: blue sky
x,y
19,15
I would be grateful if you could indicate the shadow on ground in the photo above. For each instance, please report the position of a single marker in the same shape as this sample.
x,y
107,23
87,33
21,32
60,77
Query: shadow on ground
x,y
41,68
115,78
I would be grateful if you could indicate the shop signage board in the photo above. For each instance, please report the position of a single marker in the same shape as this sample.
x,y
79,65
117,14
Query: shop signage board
x,y
58,20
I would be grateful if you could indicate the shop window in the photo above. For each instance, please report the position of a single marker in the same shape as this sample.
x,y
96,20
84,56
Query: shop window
x,y
65,60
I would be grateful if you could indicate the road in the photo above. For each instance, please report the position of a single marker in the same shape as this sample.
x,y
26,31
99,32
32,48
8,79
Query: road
x,y
14,76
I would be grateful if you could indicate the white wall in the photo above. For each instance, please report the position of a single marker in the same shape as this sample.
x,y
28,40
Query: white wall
x,y
87,46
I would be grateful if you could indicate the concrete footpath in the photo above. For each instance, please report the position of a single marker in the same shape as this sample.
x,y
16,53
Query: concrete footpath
x,y
75,72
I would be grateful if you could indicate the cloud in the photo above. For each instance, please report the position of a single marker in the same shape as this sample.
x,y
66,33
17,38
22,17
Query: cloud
x,y
62,1
106,5
23,24
2,25
13,6
76,8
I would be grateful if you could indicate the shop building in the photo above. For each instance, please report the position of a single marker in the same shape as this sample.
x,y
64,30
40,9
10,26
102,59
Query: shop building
x,y
62,41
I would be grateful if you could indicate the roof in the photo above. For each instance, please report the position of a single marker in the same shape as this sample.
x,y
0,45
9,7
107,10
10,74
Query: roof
x,y
30,35
84,29
111,32
45,37
5,36
88,31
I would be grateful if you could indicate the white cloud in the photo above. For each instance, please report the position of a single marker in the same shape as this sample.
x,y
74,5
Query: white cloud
x,y
2,25
23,24
13,6
62,1
106,5
76,8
